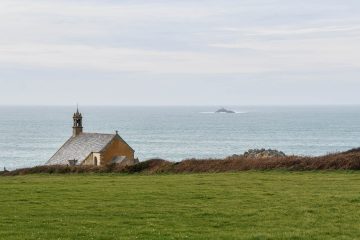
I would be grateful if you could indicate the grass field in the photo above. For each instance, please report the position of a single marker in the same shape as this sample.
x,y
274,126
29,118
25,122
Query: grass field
x,y
244,205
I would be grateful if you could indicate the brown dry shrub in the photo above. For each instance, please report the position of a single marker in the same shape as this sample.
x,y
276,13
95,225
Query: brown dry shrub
x,y
349,160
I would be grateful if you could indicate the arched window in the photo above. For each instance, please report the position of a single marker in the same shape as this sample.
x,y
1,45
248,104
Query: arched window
x,y
95,161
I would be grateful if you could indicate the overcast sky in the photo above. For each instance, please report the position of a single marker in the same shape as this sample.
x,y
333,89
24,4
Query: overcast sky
x,y
171,52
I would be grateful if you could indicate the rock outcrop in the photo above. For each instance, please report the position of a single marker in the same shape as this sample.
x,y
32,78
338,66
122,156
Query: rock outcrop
x,y
224,110
263,153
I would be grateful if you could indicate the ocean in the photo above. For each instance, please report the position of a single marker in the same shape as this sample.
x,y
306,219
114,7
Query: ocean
x,y
29,136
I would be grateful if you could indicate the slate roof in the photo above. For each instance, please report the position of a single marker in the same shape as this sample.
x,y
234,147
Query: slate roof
x,y
80,147
118,159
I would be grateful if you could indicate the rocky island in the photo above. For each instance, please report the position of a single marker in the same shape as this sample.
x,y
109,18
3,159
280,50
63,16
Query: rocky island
x,y
224,110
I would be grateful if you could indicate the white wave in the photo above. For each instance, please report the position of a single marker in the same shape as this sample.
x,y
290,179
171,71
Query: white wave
x,y
236,112
240,112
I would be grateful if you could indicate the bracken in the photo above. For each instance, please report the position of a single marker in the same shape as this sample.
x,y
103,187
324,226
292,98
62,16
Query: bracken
x,y
349,160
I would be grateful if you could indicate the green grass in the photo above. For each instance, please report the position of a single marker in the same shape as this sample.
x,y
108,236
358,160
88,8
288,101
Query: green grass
x,y
244,205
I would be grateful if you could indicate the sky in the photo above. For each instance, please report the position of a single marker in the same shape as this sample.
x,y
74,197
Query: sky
x,y
170,52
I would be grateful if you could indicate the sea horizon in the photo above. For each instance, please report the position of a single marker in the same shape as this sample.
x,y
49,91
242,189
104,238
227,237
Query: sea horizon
x,y
30,135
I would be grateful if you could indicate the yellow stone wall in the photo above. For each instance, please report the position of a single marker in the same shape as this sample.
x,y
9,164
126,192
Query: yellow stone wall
x,y
90,160
116,148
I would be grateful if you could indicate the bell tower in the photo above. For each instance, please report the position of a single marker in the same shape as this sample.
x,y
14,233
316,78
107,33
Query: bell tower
x,y
77,127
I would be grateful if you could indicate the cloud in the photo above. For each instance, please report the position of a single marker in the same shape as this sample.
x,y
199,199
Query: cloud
x,y
293,30
123,59
137,60
249,40
119,10
248,57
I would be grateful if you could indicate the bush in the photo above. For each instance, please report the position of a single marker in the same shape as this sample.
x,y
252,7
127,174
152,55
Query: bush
x,y
349,160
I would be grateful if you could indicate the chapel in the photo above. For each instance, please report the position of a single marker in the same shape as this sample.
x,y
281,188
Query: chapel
x,y
96,149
